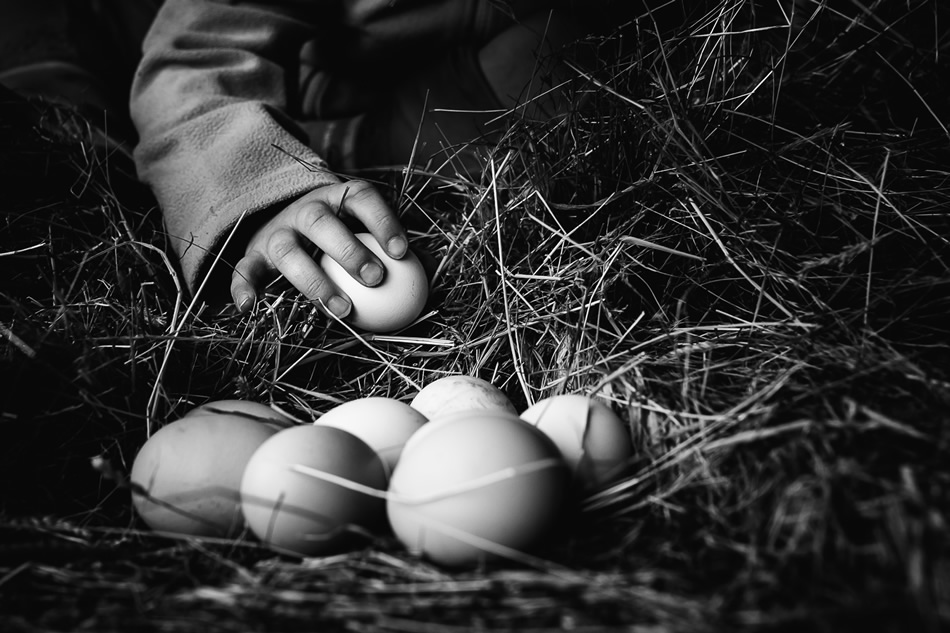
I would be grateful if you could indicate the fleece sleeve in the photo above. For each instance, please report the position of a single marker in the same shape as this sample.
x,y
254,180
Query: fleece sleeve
x,y
211,104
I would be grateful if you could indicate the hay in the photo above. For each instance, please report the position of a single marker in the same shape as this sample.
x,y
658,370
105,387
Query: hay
x,y
738,238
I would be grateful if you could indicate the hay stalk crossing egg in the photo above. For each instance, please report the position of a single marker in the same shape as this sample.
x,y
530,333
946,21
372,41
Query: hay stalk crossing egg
x,y
475,485
309,489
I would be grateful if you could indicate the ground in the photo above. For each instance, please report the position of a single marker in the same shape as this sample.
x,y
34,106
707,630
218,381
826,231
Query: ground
x,y
737,238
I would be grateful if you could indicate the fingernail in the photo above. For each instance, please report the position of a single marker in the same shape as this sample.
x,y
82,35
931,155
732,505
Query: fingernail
x,y
371,273
397,246
338,306
244,303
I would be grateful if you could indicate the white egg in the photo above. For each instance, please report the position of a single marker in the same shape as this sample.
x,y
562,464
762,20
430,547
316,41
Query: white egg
x,y
383,423
460,393
476,485
394,303
593,440
309,489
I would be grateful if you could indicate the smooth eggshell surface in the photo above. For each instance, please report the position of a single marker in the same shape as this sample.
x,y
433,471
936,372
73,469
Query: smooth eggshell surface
x,y
394,303
475,485
593,440
191,471
315,512
383,423
250,409
460,393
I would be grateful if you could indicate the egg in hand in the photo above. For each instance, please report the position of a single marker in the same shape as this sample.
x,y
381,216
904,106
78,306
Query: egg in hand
x,y
393,304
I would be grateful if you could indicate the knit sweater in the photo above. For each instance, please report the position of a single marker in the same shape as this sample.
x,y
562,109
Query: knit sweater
x,y
223,93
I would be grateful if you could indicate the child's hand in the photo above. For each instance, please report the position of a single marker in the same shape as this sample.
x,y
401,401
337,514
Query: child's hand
x,y
281,245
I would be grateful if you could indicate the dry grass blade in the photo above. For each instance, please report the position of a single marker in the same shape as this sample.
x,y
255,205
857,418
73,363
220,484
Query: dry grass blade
x,y
737,237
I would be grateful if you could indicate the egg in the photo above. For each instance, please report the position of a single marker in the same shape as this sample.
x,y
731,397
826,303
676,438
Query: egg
x,y
460,393
391,305
383,423
244,408
593,440
308,490
475,485
187,476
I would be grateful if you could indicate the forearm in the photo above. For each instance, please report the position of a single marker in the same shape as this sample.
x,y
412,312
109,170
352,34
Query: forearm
x,y
211,104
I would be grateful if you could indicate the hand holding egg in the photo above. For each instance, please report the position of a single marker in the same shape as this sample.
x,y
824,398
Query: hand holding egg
x,y
393,304
281,243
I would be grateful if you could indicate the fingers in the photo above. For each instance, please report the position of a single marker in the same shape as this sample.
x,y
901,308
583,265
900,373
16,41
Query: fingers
x,y
362,201
317,221
296,264
282,244
284,253
248,275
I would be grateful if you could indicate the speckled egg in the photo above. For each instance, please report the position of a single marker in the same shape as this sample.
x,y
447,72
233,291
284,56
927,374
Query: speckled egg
x,y
460,393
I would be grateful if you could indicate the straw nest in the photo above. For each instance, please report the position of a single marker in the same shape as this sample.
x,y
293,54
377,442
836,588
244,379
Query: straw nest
x,y
737,238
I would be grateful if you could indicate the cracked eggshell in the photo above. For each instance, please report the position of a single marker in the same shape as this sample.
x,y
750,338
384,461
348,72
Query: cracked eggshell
x,y
250,409
385,424
593,440
190,473
460,393
391,305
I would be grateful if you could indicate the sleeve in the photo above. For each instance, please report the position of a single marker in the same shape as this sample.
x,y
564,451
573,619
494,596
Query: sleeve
x,y
211,104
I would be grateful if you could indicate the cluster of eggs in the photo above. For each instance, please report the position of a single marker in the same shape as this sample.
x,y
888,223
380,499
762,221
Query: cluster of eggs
x,y
456,475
